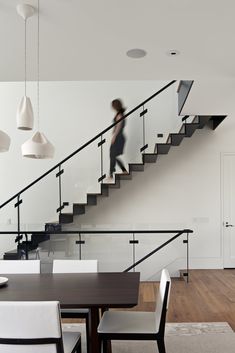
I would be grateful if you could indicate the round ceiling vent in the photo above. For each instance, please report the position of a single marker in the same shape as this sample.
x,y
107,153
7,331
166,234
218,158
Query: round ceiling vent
x,y
136,53
173,52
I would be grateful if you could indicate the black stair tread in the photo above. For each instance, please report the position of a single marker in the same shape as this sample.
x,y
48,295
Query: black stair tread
x,y
196,124
123,176
93,193
113,185
150,154
178,134
136,167
163,144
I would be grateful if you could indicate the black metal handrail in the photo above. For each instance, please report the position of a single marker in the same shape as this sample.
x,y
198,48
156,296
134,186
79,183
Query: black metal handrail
x,y
83,231
86,144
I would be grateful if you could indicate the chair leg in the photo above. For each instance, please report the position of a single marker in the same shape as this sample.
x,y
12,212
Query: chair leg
x,y
87,333
105,346
161,345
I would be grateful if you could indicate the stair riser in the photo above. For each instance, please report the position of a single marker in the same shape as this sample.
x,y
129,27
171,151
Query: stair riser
x,y
190,129
64,218
162,149
91,200
78,209
151,158
136,167
177,139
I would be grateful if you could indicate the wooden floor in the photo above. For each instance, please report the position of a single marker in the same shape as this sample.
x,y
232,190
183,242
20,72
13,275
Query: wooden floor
x,y
208,297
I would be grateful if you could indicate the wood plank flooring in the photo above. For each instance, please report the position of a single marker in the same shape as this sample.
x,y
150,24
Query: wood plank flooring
x,y
208,297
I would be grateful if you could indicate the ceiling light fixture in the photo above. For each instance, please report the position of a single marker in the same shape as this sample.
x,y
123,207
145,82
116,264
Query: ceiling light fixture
x,y
4,142
136,53
24,116
38,146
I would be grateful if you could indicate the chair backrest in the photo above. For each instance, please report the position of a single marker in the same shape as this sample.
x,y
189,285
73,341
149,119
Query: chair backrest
x,y
30,327
162,301
75,266
19,266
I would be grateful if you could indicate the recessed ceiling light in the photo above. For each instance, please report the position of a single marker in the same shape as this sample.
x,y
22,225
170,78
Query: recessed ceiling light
x,y
136,53
173,52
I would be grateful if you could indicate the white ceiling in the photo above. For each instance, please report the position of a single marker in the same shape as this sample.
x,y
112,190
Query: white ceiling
x,y
88,39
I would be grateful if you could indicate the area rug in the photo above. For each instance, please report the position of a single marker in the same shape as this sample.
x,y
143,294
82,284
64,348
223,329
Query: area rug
x,y
214,337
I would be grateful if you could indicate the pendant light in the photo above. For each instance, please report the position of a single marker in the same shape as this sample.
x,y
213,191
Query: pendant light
x,y
4,142
24,116
38,146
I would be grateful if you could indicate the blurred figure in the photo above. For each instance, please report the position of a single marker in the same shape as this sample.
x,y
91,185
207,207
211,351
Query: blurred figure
x,y
118,139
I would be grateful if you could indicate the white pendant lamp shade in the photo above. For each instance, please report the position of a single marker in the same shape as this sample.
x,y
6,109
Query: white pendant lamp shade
x,y
25,10
24,116
38,147
4,142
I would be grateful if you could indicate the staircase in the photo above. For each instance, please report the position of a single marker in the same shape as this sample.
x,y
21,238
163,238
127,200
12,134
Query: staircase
x,y
186,130
174,139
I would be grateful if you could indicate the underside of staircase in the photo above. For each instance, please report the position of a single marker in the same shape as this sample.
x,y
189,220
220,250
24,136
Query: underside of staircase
x,y
174,139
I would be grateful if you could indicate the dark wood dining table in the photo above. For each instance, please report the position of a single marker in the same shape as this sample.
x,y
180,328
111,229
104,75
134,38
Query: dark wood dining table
x,y
82,290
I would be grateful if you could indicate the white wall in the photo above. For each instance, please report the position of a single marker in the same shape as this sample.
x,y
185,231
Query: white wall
x,y
70,114
182,190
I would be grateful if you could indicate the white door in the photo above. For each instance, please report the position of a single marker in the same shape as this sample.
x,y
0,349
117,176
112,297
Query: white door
x,y
228,199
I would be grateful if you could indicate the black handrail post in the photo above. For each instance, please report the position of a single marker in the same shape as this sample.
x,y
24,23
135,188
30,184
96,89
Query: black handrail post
x,y
102,175
133,237
26,247
18,213
101,158
80,246
143,127
59,181
133,242
61,204
79,242
186,241
187,258
145,145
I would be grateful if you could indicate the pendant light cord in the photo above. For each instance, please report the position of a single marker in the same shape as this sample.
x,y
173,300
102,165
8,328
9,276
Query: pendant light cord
x,y
25,57
38,67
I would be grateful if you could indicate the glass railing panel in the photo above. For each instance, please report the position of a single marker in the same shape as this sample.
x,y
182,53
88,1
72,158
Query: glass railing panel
x,y
113,251
172,257
81,174
39,204
134,138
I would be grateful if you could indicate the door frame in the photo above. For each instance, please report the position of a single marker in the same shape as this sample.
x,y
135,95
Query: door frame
x,y
222,155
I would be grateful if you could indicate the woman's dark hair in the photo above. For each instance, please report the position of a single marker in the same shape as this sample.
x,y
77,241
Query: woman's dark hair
x,y
117,105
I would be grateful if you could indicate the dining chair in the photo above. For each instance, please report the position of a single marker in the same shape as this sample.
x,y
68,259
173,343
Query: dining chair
x,y
134,325
76,266
35,327
20,266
